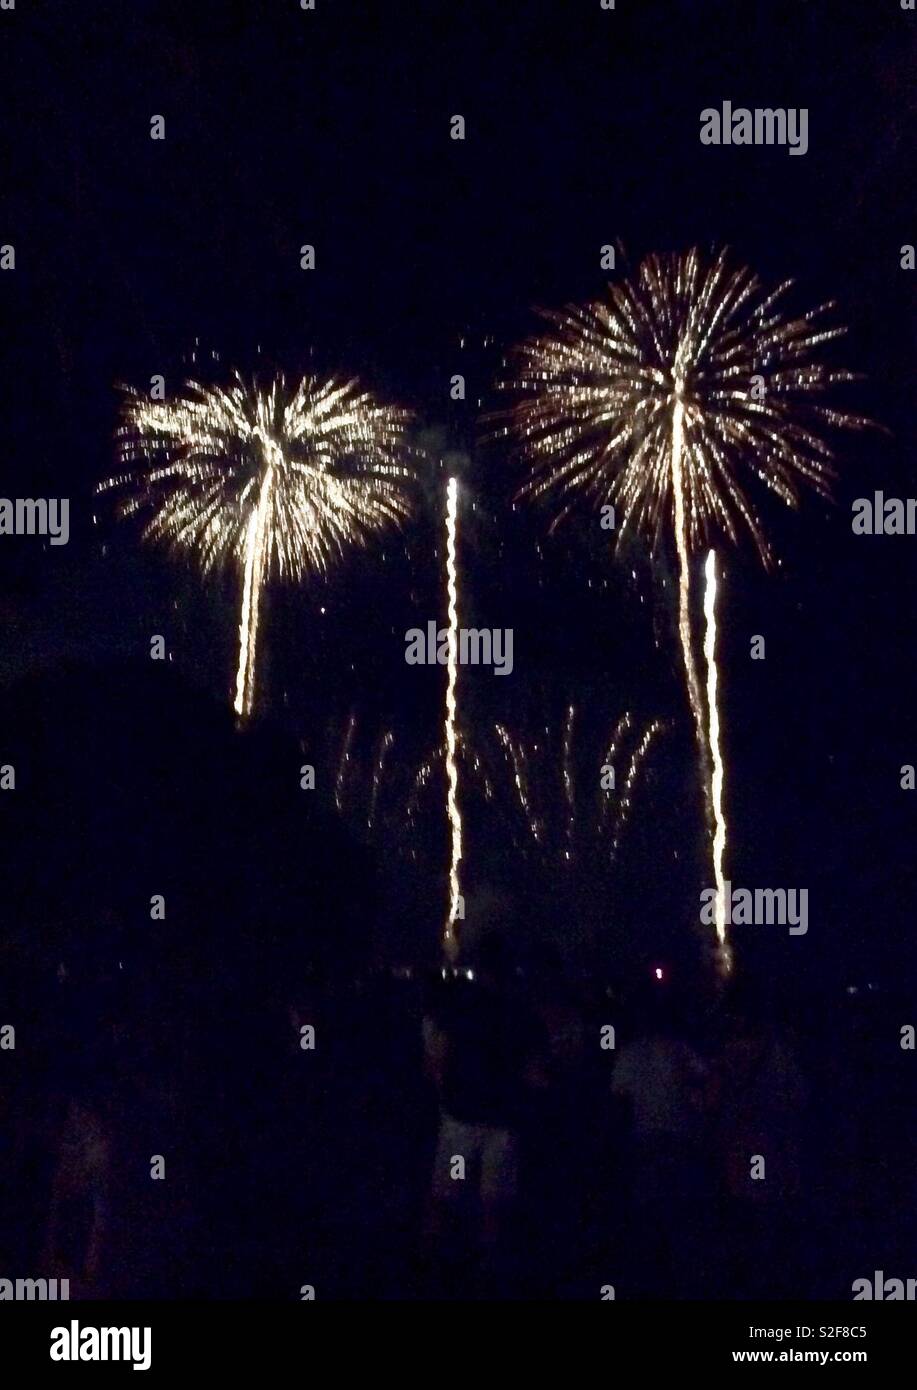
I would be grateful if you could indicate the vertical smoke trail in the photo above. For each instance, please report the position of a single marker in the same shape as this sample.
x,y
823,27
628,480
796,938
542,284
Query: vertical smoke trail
x,y
241,702
450,940
719,836
684,593
256,546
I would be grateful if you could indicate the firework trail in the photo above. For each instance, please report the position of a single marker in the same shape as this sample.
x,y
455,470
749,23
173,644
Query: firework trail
x,y
452,806
719,837
684,589
268,480
664,399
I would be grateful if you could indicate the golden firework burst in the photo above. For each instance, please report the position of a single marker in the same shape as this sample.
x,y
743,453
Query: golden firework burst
x,y
274,481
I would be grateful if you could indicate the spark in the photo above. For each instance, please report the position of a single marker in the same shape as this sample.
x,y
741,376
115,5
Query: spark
x,y
452,806
478,769
269,480
623,726
344,761
719,838
569,789
515,754
378,773
424,773
633,771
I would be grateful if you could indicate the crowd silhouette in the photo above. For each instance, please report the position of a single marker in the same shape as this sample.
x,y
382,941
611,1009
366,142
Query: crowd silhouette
x,y
234,1101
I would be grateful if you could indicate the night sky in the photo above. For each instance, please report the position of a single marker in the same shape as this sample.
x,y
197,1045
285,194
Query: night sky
x,y
331,127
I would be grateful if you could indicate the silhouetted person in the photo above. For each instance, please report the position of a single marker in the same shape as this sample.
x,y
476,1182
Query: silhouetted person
x,y
660,1076
156,1175
759,1095
481,1046
79,1214
560,1140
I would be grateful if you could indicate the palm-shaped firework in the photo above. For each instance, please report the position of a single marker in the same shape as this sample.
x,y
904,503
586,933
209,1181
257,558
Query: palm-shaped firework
x,y
665,399
274,481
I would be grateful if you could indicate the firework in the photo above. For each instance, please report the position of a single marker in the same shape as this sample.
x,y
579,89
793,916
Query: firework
x,y
274,482
666,399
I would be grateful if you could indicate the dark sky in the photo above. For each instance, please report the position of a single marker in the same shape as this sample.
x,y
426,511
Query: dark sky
x,y
332,127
